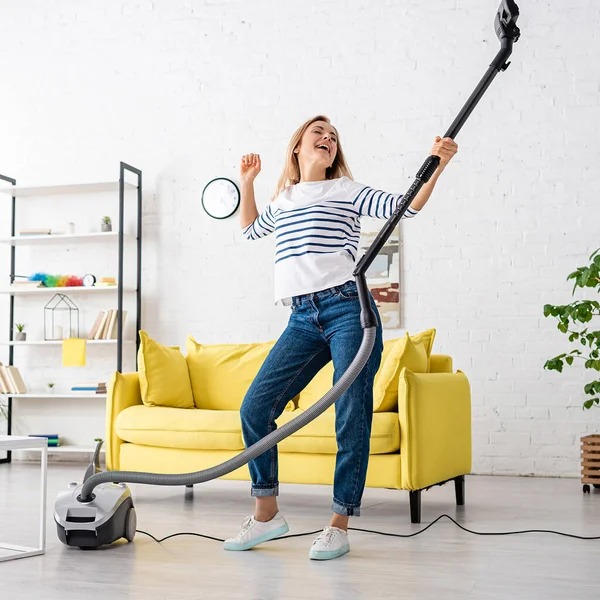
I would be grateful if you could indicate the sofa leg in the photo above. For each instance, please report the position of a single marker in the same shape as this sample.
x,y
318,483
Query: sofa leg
x,y
459,486
191,485
415,506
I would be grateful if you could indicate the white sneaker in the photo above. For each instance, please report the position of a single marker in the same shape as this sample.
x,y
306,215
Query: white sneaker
x,y
330,543
255,532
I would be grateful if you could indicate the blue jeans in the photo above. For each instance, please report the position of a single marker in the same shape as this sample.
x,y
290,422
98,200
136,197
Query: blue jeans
x,y
323,326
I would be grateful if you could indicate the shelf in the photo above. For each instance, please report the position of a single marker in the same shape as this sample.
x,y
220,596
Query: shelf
x,y
81,239
48,396
51,190
66,290
59,342
28,240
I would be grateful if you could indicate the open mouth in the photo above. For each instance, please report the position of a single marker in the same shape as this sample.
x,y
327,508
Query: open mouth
x,y
323,147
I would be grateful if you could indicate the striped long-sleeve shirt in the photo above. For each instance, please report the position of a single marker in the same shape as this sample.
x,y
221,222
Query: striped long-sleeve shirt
x,y
317,230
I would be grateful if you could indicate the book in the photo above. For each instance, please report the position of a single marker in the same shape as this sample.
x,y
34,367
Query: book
x,y
17,380
12,380
96,326
100,331
106,325
26,285
53,439
110,323
115,330
42,231
4,389
89,389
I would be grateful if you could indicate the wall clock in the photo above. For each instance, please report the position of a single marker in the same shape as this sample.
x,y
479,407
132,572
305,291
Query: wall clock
x,y
220,198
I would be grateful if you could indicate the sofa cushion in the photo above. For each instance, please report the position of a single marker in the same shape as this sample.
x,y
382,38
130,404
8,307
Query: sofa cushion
x,y
222,373
406,353
426,337
323,381
440,363
175,428
200,429
411,352
163,375
318,437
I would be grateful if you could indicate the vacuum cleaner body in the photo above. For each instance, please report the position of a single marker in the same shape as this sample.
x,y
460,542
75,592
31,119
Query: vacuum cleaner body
x,y
109,517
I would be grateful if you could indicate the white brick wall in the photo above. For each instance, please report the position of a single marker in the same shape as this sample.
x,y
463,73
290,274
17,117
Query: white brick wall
x,y
182,88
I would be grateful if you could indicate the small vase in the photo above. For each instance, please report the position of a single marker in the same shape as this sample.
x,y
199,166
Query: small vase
x,y
20,336
106,226
50,390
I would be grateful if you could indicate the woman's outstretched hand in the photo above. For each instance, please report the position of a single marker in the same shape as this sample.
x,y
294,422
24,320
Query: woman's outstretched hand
x,y
444,148
249,167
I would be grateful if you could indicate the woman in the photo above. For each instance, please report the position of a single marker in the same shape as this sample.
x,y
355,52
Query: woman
x,y
315,215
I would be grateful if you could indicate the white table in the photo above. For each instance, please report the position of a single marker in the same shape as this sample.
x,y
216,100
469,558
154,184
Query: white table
x,y
12,442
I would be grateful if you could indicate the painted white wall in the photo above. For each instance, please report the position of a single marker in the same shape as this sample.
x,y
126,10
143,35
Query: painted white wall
x,y
182,88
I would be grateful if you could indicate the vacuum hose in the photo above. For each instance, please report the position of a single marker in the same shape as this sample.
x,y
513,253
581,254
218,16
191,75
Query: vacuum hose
x,y
266,443
505,26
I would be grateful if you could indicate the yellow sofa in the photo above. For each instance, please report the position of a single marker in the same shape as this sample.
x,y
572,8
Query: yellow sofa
x,y
421,434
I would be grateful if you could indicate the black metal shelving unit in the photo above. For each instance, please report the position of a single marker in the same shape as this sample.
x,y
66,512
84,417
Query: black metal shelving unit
x,y
124,168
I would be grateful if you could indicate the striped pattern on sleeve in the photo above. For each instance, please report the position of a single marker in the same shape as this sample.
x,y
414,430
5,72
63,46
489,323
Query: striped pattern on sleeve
x,y
378,204
262,225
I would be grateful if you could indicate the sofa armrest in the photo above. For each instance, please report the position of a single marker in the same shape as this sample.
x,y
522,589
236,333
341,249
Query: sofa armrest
x,y
123,392
435,427
440,363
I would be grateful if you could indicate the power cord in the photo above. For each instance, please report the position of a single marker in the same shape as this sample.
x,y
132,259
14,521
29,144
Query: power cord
x,y
397,535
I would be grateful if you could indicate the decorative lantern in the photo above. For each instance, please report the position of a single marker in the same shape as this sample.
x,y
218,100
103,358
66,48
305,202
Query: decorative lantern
x,y
61,318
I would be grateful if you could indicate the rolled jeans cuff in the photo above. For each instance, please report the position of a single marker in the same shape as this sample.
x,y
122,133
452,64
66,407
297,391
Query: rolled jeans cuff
x,y
346,510
258,490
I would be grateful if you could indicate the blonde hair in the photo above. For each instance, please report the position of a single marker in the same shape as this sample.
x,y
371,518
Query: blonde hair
x,y
291,171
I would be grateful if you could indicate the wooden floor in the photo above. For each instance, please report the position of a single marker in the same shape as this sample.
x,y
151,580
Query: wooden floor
x,y
442,563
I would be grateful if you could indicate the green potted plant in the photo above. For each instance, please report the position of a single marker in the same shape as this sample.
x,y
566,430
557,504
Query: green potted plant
x,y
20,334
106,224
569,317
50,385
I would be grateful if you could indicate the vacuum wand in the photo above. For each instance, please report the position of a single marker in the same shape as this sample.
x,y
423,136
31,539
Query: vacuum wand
x,y
505,25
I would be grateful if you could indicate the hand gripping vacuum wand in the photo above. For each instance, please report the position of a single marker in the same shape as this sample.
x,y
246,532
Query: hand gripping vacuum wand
x,y
100,511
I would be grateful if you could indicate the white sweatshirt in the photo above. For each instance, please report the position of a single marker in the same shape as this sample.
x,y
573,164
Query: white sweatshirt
x,y
317,228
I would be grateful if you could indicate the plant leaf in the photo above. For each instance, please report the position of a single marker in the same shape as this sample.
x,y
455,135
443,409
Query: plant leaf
x,y
554,364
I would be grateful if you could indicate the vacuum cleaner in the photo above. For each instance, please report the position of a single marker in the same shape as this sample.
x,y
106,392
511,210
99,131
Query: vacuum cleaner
x,y
100,511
